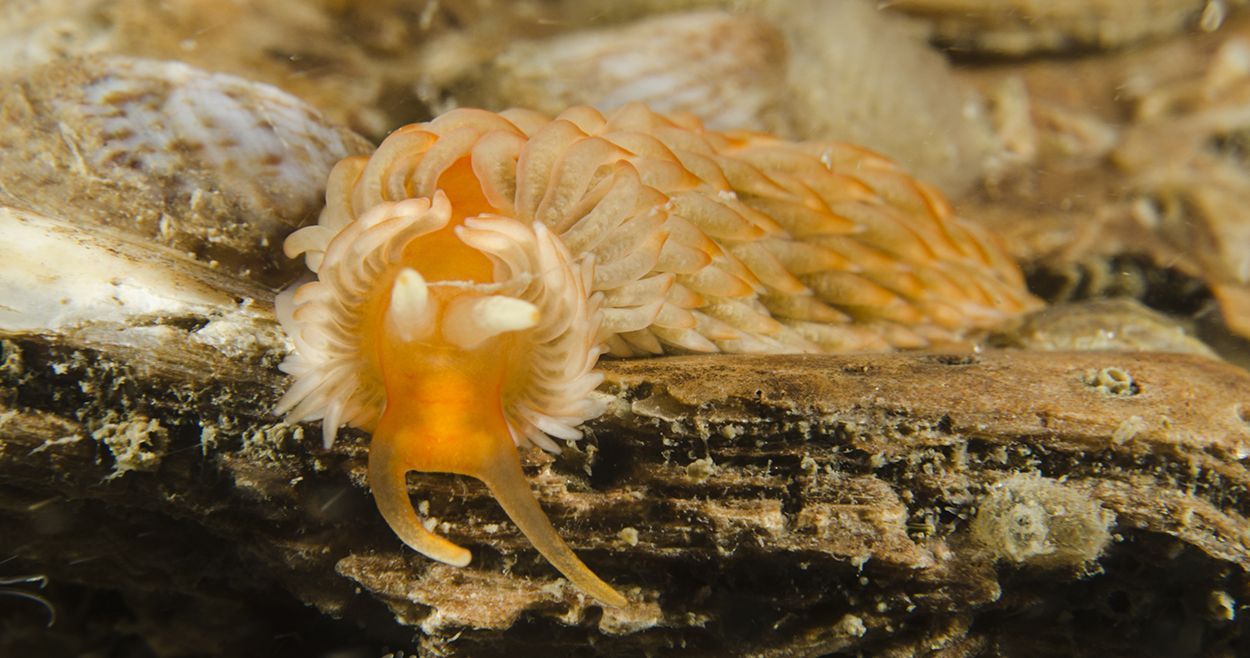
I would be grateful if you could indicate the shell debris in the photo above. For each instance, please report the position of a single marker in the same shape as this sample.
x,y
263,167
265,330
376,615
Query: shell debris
x,y
206,163
808,69
1195,192
1025,27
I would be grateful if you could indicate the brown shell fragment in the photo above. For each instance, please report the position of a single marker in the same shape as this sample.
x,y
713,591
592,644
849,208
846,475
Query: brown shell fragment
x,y
1024,27
205,163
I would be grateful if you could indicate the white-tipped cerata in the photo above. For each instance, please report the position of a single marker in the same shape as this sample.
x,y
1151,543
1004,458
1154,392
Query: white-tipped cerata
x,y
411,314
471,321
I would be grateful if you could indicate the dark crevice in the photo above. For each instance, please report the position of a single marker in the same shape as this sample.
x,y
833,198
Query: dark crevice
x,y
1135,276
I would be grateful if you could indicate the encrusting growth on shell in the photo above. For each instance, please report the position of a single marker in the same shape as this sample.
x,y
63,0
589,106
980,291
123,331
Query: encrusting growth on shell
x,y
471,271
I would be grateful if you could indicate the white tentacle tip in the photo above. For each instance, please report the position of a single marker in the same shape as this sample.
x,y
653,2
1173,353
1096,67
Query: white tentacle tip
x,y
471,321
410,315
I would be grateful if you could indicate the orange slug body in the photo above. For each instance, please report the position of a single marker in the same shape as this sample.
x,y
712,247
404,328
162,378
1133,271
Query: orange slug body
x,y
473,269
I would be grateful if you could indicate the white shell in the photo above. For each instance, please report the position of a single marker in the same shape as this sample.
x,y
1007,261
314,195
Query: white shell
x,y
83,284
726,68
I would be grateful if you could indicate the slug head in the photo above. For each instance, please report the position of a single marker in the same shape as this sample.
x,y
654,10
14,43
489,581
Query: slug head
x,y
450,356
471,335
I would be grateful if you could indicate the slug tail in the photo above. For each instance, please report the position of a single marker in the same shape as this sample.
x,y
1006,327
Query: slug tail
x,y
388,479
507,482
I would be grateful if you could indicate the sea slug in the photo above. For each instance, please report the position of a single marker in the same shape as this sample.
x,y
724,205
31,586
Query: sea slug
x,y
473,269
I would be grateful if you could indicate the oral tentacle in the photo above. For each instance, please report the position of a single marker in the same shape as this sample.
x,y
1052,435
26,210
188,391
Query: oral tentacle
x,y
507,482
450,438
388,478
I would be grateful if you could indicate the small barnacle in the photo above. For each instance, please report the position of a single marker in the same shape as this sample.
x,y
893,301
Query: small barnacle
x,y
473,269
1111,381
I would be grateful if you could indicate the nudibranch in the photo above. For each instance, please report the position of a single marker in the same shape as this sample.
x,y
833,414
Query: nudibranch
x,y
473,269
